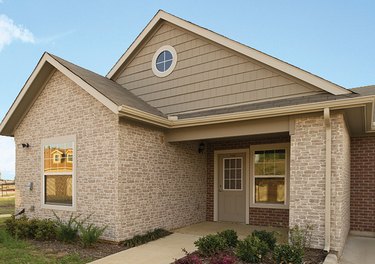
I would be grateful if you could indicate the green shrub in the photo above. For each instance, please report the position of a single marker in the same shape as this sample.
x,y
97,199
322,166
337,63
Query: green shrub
x,y
18,228
90,234
288,254
268,237
67,231
300,237
230,237
252,249
142,239
210,245
42,229
39,229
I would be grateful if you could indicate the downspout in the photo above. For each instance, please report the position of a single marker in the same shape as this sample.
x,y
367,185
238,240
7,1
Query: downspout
x,y
327,226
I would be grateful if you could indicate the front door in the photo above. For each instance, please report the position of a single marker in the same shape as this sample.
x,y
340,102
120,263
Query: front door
x,y
232,185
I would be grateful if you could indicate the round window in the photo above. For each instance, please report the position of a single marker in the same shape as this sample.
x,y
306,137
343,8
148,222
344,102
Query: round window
x,y
164,61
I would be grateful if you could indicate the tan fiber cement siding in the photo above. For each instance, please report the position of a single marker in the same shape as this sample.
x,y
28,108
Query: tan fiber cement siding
x,y
307,178
64,109
206,75
161,184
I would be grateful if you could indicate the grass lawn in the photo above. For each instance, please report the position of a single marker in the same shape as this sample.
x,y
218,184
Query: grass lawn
x,y
20,252
6,205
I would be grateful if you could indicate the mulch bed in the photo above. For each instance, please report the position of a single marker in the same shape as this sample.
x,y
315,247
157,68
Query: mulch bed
x,y
60,249
312,256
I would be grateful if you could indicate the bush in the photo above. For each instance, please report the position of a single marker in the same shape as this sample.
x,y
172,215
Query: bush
x,y
268,237
18,228
223,258
230,237
210,245
190,258
300,237
288,254
67,231
252,249
142,239
90,234
40,229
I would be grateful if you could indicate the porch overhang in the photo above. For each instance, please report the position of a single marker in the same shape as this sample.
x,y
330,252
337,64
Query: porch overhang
x,y
359,112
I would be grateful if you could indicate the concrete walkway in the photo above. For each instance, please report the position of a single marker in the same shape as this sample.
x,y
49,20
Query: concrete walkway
x,y
358,250
161,251
166,250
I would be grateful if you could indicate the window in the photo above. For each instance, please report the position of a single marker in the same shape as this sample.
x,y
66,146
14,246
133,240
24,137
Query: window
x,y
232,174
269,176
164,61
58,172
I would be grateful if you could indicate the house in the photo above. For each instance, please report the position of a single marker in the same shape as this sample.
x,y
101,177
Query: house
x,y
191,126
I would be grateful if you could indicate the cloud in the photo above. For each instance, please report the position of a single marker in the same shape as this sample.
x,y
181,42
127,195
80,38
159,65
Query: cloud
x,y
52,39
7,158
9,31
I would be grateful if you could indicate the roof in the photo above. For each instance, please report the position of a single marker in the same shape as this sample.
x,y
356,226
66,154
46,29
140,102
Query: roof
x,y
364,90
228,43
271,104
124,103
108,92
110,89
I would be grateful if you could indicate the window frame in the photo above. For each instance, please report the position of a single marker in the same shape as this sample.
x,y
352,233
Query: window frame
x,y
156,55
59,140
242,166
264,147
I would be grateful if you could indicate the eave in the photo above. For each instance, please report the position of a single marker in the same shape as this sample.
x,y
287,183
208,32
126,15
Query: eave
x,y
365,101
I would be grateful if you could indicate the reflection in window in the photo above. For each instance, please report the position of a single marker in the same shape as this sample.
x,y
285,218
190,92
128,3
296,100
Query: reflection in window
x,y
269,174
58,173
58,189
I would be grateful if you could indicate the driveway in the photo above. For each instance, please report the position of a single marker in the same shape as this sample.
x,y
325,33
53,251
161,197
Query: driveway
x,y
358,250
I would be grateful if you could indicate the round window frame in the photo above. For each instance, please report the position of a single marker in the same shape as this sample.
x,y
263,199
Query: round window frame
x,y
156,55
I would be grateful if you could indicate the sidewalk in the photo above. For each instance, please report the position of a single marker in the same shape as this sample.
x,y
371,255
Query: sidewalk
x,y
358,250
161,251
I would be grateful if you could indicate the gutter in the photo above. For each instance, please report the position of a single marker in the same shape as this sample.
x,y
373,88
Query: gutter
x,y
133,113
327,224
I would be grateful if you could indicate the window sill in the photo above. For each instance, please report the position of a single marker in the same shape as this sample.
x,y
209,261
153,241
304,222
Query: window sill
x,y
270,206
59,207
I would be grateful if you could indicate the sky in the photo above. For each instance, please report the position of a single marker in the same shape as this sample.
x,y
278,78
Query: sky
x,y
333,39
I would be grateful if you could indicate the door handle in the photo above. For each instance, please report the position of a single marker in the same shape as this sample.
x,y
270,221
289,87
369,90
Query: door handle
x,y
220,188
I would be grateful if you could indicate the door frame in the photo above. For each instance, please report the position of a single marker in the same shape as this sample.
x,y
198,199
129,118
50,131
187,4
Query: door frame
x,y
246,178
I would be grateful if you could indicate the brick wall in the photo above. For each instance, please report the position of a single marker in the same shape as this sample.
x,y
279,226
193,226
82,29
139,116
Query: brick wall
x,y
307,178
362,191
269,217
258,216
62,109
161,184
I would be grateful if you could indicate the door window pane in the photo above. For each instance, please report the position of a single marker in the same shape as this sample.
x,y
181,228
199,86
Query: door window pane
x,y
232,173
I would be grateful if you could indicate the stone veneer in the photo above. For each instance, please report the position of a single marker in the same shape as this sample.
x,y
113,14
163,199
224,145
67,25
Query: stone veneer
x,y
127,176
362,197
61,109
161,184
307,178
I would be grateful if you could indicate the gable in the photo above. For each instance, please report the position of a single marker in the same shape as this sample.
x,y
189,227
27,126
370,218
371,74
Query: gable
x,y
207,75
